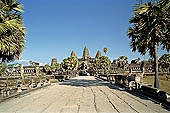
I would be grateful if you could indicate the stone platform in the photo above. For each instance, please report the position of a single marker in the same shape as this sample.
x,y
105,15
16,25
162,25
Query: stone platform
x,y
83,94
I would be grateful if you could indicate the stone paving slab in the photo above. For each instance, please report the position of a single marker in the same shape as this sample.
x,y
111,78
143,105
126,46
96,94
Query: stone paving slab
x,y
83,94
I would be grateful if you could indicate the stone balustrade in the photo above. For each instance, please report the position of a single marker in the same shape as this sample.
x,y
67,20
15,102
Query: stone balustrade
x,y
132,83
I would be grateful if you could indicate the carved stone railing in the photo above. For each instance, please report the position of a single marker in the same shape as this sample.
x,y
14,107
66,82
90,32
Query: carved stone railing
x,y
133,83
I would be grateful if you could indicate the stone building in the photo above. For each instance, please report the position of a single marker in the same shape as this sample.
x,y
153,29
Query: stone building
x,y
53,61
86,54
86,58
73,54
86,64
98,54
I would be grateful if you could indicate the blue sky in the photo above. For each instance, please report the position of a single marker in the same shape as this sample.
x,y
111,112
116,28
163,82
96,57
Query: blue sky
x,y
56,27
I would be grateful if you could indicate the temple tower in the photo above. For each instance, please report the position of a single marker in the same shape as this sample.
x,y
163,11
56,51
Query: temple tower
x,y
98,54
86,53
73,54
53,61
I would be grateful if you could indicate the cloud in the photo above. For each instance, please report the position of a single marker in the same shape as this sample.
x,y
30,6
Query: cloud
x,y
42,64
25,62
22,60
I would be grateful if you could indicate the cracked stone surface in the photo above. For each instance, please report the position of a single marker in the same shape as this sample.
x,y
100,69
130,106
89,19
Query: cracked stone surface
x,y
83,94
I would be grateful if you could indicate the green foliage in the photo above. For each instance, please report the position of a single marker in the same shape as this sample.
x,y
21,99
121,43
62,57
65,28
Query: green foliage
x,y
168,76
150,26
3,68
151,60
141,1
30,62
12,31
70,63
136,61
164,61
47,67
54,67
122,62
102,62
105,50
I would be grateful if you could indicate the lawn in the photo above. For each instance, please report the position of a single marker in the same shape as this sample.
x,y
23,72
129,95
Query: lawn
x,y
163,82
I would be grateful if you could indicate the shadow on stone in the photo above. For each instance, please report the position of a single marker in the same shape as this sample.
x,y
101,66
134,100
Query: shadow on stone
x,y
84,83
99,82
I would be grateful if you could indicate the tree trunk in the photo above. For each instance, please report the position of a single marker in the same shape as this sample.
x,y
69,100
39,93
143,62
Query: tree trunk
x,y
156,81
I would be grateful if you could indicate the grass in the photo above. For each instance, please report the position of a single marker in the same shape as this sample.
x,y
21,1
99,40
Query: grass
x,y
163,82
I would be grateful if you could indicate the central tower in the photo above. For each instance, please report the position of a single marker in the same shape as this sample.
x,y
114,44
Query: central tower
x,y
86,53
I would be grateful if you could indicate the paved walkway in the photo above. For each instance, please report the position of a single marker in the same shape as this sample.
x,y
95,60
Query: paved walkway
x,y
83,94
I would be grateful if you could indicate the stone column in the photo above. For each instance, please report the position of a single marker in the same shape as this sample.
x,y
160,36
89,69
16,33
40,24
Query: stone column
x,y
22,74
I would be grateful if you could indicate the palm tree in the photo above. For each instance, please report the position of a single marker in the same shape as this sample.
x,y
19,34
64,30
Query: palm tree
x,y
12,31
141,1
105,50
150,28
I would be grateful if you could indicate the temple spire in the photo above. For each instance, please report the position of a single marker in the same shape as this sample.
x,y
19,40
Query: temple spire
x,y
98,54
73,54
53,61
86,53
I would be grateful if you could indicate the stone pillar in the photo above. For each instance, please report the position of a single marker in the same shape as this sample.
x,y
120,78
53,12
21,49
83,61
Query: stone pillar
x,y
37,72
22,74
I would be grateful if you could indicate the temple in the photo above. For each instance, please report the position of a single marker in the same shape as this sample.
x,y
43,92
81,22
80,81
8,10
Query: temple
x,y
86,59
86,53
98,54
73,54
85,64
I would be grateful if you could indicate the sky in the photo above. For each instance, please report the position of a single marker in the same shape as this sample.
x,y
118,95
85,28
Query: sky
x,y
56,27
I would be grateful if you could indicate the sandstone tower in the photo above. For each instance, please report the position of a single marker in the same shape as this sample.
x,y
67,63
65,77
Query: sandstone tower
x,y
73,54
53,61
86,53
98,54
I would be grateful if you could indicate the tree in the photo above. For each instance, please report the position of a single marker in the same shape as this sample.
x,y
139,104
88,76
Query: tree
x,y
30,62
151,60
70,63
122,62
135,61
105,50
54,67
3,68
141,1
164,62
150,28
12,31
102,62
47,68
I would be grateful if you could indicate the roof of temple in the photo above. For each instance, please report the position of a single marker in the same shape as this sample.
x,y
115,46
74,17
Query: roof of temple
x,y
86,53
73,54
98,54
